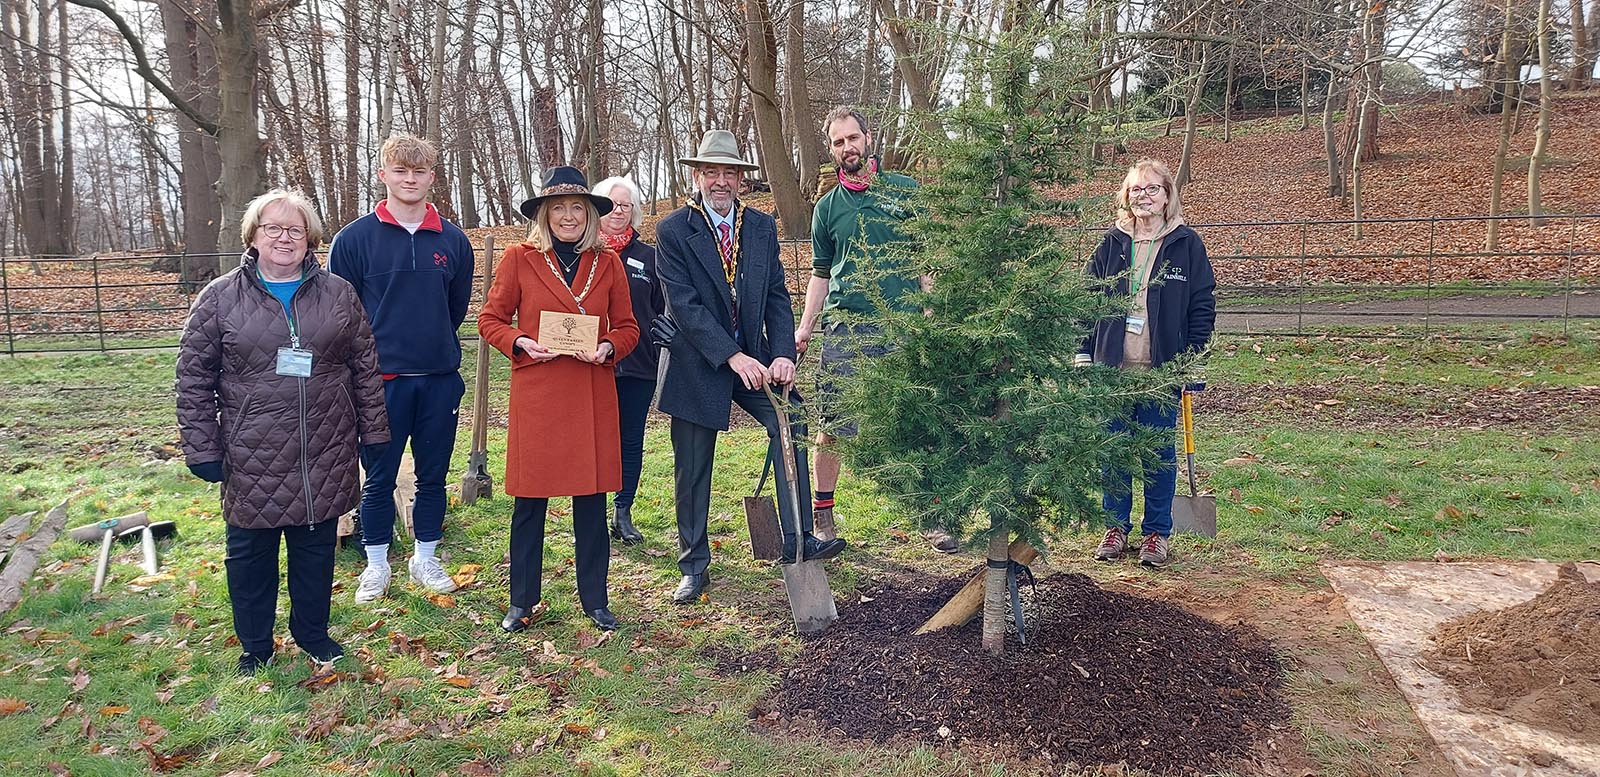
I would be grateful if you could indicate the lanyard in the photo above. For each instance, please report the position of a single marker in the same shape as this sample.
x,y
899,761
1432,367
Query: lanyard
x,y
1139,269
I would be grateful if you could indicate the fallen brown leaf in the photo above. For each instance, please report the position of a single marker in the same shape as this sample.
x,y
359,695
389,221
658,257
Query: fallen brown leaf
x,y
12,706
113,709
442,600
459,681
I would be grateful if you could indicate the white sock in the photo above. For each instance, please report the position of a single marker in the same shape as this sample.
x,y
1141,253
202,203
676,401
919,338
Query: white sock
x,y
377,555
426,549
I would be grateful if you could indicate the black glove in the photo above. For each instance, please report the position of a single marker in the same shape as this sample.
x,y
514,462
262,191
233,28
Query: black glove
x,y
370,454
209,471
663,330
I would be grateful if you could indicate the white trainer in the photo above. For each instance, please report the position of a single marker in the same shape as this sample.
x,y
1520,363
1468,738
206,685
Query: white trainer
x,y
431,575
373,584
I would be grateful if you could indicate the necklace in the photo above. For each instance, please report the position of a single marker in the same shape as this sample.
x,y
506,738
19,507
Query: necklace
x,y
587,284
569,267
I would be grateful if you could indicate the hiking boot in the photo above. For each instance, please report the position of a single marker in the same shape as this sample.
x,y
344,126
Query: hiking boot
x,y
430,574
1154,551
1113,546
942,541
373,583
822,523
250,663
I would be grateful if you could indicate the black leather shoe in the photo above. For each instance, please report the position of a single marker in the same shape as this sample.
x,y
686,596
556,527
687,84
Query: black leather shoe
x,y
604,619
690,587
816,549
519,618
622,527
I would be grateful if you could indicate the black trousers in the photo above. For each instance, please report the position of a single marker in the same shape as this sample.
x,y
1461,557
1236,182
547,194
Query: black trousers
x,y
252,565
694,449
633,406
593,550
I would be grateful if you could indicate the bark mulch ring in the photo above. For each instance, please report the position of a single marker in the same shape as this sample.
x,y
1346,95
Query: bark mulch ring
x,y
1533,662
1105,678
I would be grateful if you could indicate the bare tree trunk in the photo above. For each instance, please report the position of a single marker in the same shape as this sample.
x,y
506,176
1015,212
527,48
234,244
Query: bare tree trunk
x,y
794,210
192,60
1578,77
1541,137
1305,95
1330,139
1227,95
465,126
802,125
391,70
509,105
1358,161
1492,240
66,211
350,180
1191,108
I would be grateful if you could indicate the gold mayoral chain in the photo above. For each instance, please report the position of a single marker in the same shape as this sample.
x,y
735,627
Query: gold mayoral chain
x,y
587,284
730,266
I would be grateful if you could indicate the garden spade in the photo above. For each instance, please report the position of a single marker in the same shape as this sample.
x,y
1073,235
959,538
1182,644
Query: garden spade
x,y
810,598
761,516
1195,513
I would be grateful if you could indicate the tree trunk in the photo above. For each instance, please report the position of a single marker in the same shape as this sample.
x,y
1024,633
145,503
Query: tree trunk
x,y
25,558
391,72
1541,136
1190,125
238,137
1358,161
1376,34
1330,139
995,594
192,62
66,212
350,181
803,126
1227,95
1305,95
794,210
1492,239
465,122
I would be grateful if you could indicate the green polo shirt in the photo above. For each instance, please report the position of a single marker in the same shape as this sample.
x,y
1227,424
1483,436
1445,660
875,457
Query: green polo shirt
x,y
846,226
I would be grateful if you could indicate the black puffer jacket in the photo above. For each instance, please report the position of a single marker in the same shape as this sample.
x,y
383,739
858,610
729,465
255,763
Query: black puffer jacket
x,y
288,445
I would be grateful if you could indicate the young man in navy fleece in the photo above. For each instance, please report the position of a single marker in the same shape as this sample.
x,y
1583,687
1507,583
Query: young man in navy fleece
x,y
413,271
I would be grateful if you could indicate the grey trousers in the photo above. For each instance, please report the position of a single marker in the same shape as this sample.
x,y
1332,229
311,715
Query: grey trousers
x,y
694,449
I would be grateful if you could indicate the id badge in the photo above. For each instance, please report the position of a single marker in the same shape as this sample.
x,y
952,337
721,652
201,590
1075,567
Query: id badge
x,y
1135,325
294,362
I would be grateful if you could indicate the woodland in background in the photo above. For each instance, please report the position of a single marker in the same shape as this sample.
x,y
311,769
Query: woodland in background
x,y
147,126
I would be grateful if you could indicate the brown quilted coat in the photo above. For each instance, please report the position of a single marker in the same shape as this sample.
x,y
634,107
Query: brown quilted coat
x,y
288,445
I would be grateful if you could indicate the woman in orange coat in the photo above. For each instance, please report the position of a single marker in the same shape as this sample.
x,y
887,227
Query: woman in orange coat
x,y
563,438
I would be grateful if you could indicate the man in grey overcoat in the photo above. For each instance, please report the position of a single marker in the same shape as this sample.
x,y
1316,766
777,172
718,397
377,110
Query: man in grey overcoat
x,y
718,260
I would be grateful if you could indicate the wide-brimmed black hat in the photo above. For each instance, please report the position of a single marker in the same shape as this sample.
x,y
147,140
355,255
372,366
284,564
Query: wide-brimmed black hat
x,y
563,181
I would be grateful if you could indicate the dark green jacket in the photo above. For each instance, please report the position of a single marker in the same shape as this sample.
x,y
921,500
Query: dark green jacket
x,y
846,225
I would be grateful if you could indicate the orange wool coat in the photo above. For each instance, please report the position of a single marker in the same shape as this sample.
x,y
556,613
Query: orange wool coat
x,y
563,438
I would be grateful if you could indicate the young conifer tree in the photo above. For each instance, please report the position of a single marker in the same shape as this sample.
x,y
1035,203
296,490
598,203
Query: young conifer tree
x,y
976,421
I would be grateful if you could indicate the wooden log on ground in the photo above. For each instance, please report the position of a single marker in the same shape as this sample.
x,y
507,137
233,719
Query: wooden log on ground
x,y
967,602
14,527
26,558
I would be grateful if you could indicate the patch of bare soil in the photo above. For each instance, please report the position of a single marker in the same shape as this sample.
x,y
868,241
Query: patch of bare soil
x,y
1351,403
1105,678
1534,662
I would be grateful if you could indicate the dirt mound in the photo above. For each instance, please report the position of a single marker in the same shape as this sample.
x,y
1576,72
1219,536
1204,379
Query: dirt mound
x,y
1535,662
1105,678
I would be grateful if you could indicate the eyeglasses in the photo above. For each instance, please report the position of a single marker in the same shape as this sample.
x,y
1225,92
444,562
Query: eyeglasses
x,y
276,231
1151,190
622,206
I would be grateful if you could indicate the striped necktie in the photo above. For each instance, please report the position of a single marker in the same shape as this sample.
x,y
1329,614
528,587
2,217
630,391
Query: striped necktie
x,y
725,237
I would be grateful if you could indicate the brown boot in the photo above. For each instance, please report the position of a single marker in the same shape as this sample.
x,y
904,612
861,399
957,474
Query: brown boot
x,y
822,523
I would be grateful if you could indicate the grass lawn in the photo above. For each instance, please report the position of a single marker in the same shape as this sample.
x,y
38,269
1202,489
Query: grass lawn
x,y
136,680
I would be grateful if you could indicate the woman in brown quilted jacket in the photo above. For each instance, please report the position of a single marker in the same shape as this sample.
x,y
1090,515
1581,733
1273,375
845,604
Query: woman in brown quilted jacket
x,y
277,386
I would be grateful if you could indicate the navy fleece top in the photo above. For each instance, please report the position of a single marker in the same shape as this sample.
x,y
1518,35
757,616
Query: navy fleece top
x,y
416,287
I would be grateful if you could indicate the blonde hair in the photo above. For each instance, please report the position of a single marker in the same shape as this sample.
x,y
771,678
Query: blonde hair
x,y
409,150
604,188
1156,167
252,215
542,238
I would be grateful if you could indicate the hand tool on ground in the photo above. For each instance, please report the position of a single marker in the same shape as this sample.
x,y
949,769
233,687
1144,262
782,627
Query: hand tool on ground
x,y
761,516
806,582
147,536
477,483
104,561
1195,513
93,532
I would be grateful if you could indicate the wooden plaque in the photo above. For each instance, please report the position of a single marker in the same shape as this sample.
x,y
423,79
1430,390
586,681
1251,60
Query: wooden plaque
x,y
568,333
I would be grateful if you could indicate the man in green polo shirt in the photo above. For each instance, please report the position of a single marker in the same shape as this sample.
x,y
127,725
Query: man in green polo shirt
x,y
859,218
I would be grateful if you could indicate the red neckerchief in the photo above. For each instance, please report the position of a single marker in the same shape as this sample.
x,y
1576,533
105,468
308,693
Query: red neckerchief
x,y
620,240
858,182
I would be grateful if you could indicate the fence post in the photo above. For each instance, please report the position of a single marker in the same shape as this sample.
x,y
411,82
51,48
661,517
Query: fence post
x,y
1427,309
5,293
1566,279
1300,317
99,312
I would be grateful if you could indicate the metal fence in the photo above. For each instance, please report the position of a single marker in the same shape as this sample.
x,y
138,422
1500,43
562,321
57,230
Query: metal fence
x,y
1401,277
